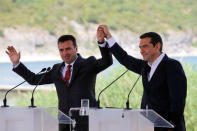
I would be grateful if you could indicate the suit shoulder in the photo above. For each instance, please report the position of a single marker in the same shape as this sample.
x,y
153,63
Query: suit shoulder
x,y
57,65
172,64
172,61
91,58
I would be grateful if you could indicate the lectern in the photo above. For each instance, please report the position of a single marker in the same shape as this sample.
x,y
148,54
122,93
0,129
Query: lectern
x,y
32,119
110,119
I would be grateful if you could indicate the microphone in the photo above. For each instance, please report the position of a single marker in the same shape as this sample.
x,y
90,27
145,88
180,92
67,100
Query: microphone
x,y
32,98
98,102
127,103
5,99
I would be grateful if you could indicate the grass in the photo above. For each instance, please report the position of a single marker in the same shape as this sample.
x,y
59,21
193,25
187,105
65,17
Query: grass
x,y
116,95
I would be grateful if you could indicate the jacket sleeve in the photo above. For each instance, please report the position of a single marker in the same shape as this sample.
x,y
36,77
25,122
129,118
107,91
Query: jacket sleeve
x,y
104,62
31,77
128,61
177,86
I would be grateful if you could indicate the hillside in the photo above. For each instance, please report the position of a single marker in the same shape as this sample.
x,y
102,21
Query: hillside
x,y
34,25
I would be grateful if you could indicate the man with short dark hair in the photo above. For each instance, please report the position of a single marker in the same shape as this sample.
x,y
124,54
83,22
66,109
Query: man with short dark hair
x,y
74,78
164,81
155,38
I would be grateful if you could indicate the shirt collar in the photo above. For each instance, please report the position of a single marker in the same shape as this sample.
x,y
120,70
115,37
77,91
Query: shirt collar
x,y
157,61
71,63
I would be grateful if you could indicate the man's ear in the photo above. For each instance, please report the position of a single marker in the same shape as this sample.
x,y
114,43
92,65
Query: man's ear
x,y
76,48
158,45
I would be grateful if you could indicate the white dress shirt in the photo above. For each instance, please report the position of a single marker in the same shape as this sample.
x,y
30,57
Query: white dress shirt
x,y
154,65
64,68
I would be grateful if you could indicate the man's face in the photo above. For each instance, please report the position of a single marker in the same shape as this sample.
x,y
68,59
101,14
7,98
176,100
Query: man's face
x,y
68,51
148,51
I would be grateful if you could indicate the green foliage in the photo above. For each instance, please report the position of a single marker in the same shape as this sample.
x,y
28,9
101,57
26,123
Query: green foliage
x,y
136,15
191,107
1,33
194,44
41,98
116,95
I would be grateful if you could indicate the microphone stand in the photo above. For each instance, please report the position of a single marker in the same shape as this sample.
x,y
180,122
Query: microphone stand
x,y
32,98
127,103
98,102
142,70
5,99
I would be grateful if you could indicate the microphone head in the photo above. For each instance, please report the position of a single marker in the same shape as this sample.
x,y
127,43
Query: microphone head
x,y
43,69
49,68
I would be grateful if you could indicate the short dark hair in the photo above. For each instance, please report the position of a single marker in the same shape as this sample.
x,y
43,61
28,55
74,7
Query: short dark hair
x,y
155,38
64,38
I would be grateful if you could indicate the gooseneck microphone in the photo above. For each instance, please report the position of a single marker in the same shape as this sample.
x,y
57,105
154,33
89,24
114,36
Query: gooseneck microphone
x,y
32,97
98,101
5,99
142,70
127,103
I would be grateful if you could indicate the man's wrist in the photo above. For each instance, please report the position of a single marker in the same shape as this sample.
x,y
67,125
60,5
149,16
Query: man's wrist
x,y
111,41
101,42
108,36
15,65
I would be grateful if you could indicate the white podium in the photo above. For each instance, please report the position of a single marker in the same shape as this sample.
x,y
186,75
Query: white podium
x,y
111,119
32,119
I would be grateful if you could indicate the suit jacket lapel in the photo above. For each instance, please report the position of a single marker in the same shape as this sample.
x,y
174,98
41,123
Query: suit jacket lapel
x,y
146,83
59,73
76,68
145,77
154,77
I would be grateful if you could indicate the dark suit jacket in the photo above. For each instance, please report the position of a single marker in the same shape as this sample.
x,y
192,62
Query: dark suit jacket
x,y
165,92
82,83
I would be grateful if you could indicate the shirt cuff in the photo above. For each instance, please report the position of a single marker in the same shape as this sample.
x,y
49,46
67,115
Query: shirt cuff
x,y
102,45
111,42
16,65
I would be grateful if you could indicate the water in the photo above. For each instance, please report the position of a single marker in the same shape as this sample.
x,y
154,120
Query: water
x,y
8,77
189,60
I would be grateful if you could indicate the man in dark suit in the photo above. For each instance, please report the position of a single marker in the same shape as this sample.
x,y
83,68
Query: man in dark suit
x,y
164,81
74,78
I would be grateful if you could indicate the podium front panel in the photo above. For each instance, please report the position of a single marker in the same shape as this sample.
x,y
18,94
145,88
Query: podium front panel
x,y
118,120
30,119
108,119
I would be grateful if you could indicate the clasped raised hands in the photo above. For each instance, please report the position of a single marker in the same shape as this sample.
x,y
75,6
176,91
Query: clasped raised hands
x,y
105,30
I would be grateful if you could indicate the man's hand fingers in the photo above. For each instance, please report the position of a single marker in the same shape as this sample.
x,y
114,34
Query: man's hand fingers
x,y
7,52
13,49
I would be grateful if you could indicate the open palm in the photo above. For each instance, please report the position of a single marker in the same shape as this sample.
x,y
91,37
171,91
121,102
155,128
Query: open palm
x,y
13,54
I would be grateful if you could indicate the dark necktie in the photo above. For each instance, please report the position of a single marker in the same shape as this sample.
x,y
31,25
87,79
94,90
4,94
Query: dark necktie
x,y
148,68
67,75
